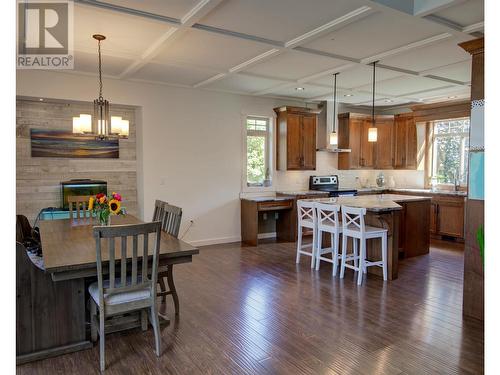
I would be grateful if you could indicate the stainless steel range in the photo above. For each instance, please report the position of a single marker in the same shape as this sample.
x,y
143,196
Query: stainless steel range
x,y
330,184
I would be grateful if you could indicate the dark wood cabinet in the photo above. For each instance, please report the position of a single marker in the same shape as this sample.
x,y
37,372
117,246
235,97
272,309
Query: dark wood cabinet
x,y
384,155
349,134
405,142
367,149
296,138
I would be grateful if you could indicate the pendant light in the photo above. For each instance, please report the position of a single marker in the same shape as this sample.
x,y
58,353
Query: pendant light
x,y
102,121
372,131
334,139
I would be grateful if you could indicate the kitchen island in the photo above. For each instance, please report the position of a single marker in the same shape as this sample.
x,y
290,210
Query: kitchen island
x,y
406,218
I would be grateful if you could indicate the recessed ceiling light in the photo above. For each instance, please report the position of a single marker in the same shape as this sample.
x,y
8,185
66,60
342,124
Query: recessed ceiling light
x,y
348,95
388,100
41,99
452,97
299,88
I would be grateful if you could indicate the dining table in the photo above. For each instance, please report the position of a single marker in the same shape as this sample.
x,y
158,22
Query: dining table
x,y
52,315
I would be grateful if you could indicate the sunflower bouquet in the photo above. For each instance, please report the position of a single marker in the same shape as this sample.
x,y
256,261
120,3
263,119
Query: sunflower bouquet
x,y
103,206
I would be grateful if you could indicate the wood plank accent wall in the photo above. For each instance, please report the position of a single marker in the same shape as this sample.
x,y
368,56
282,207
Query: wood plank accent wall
x,y
473,301
441,111
37,179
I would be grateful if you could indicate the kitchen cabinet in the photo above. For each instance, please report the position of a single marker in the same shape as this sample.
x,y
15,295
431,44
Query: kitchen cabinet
x,y
353,134
296,138
449,216
405,142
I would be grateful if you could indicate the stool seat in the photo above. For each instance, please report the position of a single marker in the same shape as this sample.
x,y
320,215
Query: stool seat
x,y
370,232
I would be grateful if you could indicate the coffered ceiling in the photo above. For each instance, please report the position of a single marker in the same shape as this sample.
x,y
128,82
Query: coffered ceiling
x,y
271,48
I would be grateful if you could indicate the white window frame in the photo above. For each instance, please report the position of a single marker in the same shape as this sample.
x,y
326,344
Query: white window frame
x,y
463,160
269,154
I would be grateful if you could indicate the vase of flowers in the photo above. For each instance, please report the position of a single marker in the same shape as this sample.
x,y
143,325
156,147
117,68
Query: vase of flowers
x,y
102,207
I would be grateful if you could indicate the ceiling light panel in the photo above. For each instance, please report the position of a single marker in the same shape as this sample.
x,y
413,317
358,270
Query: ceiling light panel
x,y
280,20
464,14
211,50
175,74
294,65
375,34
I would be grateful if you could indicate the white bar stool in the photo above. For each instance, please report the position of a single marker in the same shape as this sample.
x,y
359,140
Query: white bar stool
x,y
328,221
353,225
306,213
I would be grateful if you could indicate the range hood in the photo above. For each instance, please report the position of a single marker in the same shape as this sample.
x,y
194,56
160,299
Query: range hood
x,y
325,123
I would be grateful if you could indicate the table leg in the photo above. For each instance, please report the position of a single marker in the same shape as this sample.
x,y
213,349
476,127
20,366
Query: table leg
x,y
171,286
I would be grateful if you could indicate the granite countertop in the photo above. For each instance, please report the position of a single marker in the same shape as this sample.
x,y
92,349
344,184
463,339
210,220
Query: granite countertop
x,y
302,192
414,190
267,198
373,203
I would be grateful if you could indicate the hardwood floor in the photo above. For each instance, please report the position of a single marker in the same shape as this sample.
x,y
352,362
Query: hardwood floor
x,y
247,310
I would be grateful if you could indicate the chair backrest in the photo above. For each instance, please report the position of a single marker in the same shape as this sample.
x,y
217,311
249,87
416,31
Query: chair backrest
x,y
81,203
169,215
306,210
23,228
353,218
328,214
129,235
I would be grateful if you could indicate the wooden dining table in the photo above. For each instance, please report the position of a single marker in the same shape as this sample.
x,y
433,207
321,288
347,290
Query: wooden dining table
x,y
57,300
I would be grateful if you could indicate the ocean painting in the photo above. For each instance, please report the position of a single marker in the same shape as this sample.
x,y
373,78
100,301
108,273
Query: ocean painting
x,y
64,144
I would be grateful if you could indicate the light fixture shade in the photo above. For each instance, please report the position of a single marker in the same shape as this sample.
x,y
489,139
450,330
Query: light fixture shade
x,y
116,124
102,119
334,139
77,129
85,123
124,128
372,134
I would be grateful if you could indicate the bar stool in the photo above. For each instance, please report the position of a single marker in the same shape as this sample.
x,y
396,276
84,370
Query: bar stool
x,y
328,222
306,213
353,225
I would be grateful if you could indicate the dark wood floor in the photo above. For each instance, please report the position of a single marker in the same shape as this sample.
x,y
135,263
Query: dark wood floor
x,y
251,310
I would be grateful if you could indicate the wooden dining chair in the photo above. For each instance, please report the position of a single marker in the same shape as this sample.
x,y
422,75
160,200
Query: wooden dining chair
x,y
170,217
113,295
81,205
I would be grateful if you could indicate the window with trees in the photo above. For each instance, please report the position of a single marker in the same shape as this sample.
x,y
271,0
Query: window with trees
x,y
258,151
450,148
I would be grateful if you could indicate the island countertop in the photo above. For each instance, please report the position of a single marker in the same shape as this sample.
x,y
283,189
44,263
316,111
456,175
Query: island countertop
x,y
373,203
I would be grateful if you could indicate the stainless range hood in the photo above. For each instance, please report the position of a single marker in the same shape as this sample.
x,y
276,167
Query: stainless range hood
x,y
324,129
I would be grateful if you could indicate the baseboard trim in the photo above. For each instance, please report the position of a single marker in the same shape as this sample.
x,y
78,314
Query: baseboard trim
x,y
215,241
266,235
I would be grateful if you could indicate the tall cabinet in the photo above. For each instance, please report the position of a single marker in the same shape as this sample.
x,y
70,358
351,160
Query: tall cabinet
x,y
296,138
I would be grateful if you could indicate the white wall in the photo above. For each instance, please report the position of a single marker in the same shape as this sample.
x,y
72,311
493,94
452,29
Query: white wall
x,y
189,148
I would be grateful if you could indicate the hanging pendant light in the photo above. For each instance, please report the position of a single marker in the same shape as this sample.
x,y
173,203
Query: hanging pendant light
x,y
372,131
334,139
101,124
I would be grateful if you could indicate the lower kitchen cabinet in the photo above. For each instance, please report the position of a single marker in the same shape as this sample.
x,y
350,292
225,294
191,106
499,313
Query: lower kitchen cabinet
x,y
449,213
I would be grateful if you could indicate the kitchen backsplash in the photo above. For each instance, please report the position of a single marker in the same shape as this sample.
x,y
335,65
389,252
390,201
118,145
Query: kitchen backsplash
x,y
326,163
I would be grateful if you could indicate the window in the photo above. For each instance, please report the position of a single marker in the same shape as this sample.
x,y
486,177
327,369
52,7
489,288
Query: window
x,y
258,151
450,149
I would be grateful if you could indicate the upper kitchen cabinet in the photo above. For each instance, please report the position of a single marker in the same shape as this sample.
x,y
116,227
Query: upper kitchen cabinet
x,y
350,127
384,149
296,138
405,141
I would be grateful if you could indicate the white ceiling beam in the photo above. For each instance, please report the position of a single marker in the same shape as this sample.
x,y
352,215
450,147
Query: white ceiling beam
x,y
200,10
406,48
295,42
476,27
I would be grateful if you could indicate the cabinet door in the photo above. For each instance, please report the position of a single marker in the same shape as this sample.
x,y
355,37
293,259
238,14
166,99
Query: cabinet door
x,y
308,137
434,211
411,144
450,216
384,145
293,150
367,148
399,142
355,127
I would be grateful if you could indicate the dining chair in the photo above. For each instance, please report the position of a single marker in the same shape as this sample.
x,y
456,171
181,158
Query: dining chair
x,y
328,222
353,226
81,204
118,295
306,215
170,217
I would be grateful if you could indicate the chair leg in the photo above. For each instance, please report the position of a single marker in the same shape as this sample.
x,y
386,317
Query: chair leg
x,y
102,335
144,320
93,321
355,261
153,317
361,260
163,288
299,243
319,248
171,285
384,254
335,252
344,251
314,248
